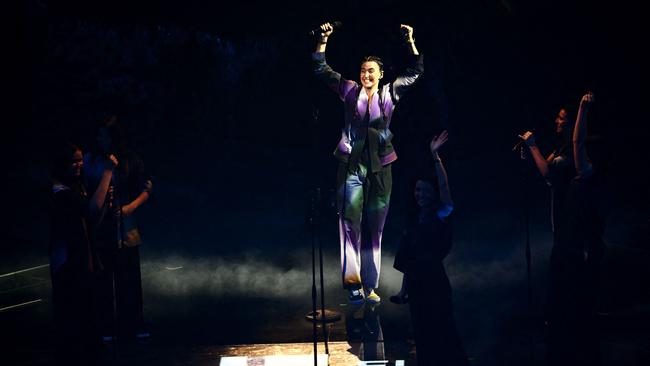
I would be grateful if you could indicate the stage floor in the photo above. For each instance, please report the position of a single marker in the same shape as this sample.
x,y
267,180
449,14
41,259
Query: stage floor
x,y
199,329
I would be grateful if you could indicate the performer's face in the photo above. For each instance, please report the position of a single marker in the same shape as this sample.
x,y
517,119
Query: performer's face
x,y
77,163
424,194
370,74
561,121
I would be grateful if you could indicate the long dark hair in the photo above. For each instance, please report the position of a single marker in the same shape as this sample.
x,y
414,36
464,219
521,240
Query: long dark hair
x,y
118,142
118,137
563,144
60,161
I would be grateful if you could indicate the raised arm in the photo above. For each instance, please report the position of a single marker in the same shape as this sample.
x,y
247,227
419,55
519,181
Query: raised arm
x,y
540,162
326,31
323,71
415,68
583,166
446,204
407,30
99,196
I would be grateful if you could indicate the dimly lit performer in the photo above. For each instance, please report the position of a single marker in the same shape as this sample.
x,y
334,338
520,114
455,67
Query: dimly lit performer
x,y
365,154
577,258
424,245
72,254
117,234
578,221
592,202
558,168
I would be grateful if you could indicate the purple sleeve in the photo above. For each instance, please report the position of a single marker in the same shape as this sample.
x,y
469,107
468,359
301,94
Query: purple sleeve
x,y
330,77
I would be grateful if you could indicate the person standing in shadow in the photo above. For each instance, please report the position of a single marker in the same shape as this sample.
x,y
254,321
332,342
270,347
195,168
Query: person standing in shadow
x,y
578,257
73,259
424,245
119,287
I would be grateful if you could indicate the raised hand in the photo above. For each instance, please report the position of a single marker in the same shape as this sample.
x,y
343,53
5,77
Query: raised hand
x,y
438,141
529,138
587,99
408,31
326,29
110,162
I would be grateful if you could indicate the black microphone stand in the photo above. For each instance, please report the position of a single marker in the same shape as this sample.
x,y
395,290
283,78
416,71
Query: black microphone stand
x,y
313,276
523,156
115,201
112,202
323,315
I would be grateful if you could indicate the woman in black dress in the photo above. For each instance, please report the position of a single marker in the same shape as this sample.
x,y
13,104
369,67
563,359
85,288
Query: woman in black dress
x,y
72,253
423,247
117,234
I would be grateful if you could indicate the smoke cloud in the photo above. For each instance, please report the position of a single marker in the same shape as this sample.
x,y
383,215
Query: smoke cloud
x,y
247,276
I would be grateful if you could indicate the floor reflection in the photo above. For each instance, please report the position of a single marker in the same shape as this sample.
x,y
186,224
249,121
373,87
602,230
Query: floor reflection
x,y
363,328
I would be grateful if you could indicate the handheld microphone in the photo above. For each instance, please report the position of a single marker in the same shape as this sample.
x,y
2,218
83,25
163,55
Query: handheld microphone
x,y
336,25
521,141
514,148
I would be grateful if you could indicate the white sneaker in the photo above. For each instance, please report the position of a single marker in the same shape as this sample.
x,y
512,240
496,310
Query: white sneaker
x,y
372,297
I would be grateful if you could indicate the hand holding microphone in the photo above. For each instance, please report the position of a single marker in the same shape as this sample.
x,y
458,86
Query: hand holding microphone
x,y
110,162
407,32
527,138
587,99
325,29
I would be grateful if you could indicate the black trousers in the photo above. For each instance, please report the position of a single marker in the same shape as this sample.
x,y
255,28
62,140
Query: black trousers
x,y
437,341
119,293
573,337
76,338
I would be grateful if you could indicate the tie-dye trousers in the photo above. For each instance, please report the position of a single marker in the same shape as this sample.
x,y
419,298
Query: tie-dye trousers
x,y
363,198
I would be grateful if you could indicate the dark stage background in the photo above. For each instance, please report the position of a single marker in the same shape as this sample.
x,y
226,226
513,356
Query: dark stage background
x,y
219,100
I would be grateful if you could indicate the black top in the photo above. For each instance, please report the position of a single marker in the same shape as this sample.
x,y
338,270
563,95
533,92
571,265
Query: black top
x,y
69,239
129,180
423,247
588,204
560,173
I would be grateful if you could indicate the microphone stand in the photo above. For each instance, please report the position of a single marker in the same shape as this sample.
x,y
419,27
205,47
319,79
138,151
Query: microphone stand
x,y
323,315
113,253
523,156
116,202
313,279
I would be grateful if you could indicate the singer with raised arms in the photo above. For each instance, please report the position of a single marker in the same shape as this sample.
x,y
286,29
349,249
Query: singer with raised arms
x,y
365,154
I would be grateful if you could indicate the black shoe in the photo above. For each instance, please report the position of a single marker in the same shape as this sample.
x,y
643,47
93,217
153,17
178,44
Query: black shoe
x,y
400,299
355,296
